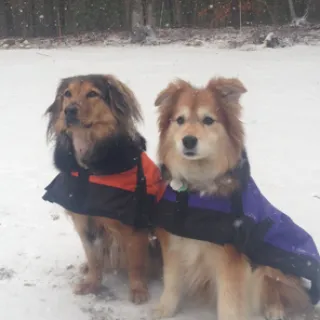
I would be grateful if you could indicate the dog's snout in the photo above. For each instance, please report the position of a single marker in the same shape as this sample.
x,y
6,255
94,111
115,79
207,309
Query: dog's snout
x,y
189,142
71,111
71,114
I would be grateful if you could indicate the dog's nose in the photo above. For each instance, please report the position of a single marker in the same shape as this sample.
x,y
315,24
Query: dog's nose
x,y
71,115
189,142
71,111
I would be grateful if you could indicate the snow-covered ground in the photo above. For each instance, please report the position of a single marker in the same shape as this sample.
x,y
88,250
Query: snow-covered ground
x,y
40,252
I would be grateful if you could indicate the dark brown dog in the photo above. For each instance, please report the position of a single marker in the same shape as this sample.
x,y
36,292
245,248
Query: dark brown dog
x,y
93,123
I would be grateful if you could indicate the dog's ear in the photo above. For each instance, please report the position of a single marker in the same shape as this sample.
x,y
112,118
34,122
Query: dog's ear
x,y
52,113
230,90
227,92
121,98
54,109
168,95
166,100
55,106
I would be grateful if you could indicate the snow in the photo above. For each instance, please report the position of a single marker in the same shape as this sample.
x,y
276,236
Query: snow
x,y
39,250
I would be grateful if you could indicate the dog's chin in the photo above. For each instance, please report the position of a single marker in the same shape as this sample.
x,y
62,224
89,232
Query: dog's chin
x,y
77,124
192,155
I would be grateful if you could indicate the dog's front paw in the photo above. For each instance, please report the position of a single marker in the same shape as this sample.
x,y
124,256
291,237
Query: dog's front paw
x,y
139,295
84,288
162,311
84,268
275,312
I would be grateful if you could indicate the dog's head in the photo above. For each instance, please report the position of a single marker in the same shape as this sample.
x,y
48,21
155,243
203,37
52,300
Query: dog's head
x,y
201,125
99,105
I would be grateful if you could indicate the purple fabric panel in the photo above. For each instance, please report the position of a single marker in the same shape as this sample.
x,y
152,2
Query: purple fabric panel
x,y
283,234
195,201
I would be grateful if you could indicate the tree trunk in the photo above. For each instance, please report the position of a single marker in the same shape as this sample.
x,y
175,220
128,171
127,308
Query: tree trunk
x,y
195,14
38,18
150,13
70,25
315,14
8,18
127,14
3,20
187,12
275,12
137,13
177,13
49,20
292,11
21,12
235,13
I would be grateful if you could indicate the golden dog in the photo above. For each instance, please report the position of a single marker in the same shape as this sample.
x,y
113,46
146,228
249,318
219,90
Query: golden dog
x,y
201,140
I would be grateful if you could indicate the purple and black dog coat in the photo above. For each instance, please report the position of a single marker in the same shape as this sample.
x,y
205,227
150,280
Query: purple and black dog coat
x,y
248,221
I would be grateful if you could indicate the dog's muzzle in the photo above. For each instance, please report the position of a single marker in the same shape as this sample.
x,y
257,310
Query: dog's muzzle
x,y
71,115
190,145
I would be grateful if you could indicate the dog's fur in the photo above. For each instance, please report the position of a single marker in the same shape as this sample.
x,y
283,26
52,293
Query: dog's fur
x,y
212,115
102,137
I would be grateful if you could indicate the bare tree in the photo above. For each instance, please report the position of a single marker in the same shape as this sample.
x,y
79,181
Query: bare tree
x,y
298,21
173,8
235,13
292,10
137,13
127,14
70,7
315,14
3,22
22,17
150,13
177,13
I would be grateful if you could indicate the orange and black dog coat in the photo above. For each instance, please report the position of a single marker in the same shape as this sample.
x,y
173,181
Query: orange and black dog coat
x,y
129,196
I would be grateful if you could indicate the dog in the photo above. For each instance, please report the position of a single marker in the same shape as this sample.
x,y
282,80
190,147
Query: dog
x,y
107,183
202,153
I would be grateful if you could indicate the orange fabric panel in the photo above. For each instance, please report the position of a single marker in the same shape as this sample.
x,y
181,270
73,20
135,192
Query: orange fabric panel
x,y
128,180
155,185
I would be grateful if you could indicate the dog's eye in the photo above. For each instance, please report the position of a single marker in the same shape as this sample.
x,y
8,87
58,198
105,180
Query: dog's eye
x,y
92,94
208,121
180,120
67,94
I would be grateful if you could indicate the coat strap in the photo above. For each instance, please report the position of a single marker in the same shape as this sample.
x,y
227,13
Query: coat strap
x,y
237,204
241,230
181,208
83,185
141,216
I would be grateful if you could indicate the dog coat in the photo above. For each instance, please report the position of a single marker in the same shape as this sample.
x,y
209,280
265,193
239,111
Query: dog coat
x,y
129,196
248,221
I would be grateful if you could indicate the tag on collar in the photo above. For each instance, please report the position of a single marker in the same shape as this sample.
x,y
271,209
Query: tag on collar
x,y
178,186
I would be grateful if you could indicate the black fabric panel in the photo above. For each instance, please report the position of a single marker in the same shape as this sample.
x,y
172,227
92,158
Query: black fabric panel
x,y
289,263
212,226
99,200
